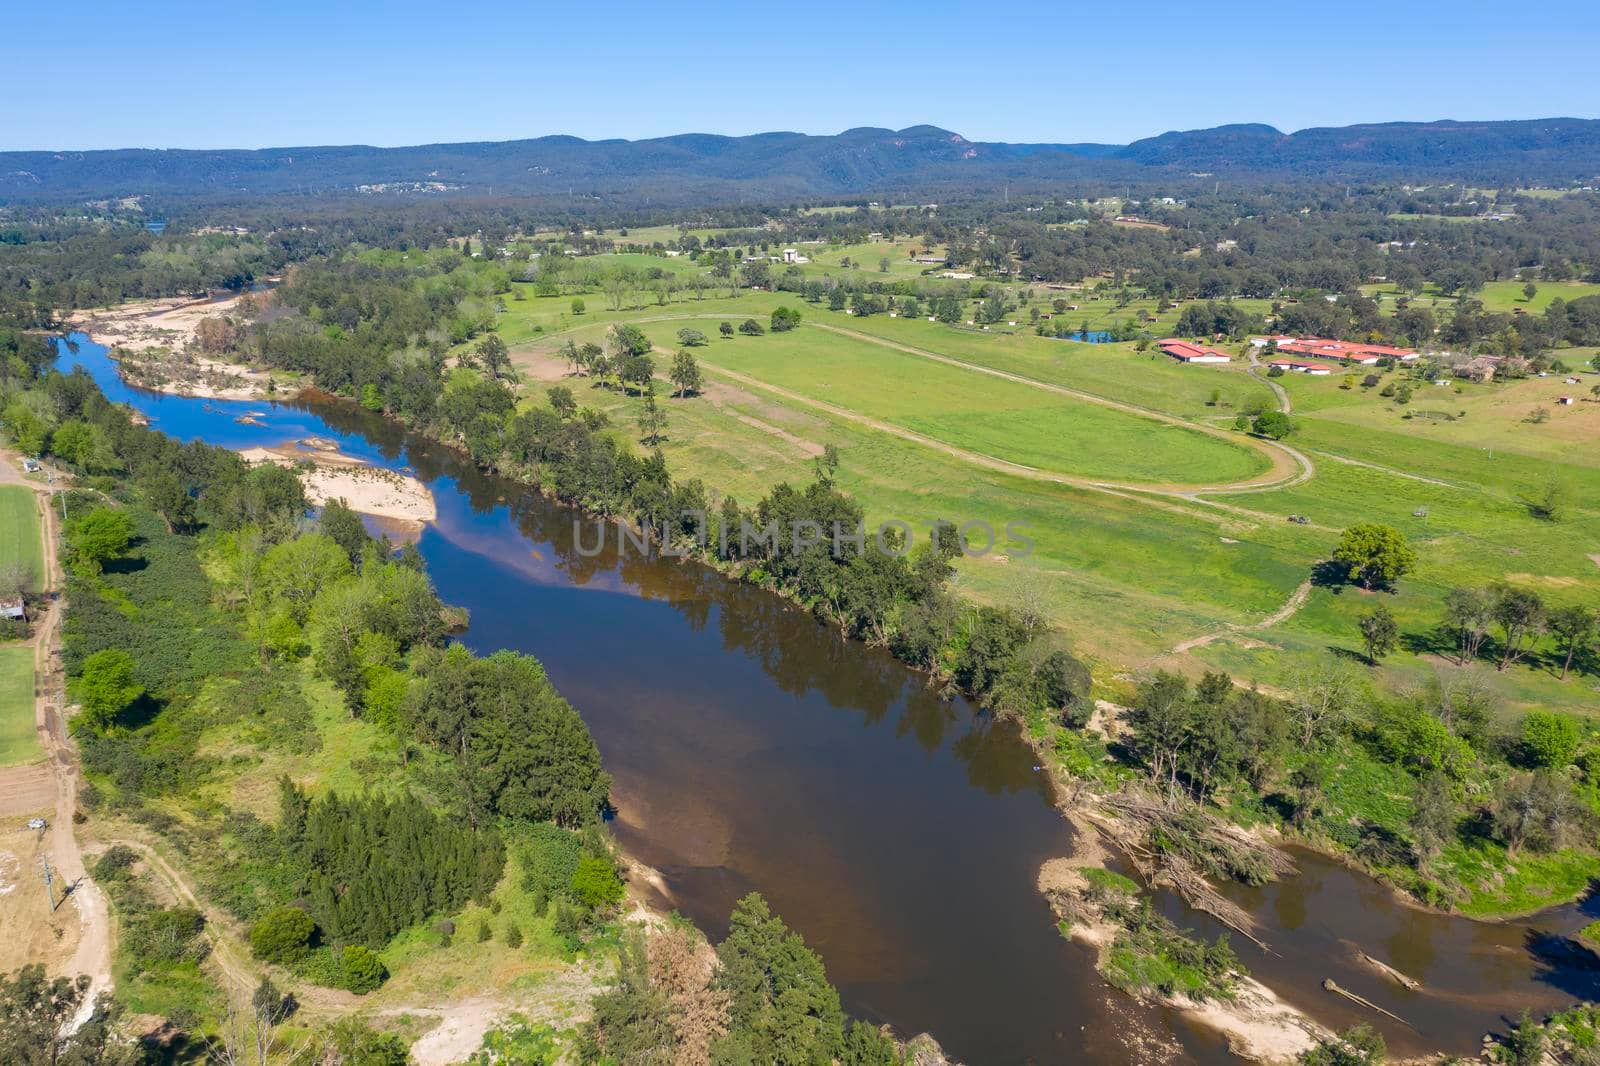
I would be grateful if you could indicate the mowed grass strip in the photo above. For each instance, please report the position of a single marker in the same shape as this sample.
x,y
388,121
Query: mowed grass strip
x,y
975,411
19,530
19,742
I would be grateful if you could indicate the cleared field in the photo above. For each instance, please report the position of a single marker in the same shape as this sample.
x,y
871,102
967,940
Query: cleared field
x,y
979,412
1128,578
1115,573
19,742
19,530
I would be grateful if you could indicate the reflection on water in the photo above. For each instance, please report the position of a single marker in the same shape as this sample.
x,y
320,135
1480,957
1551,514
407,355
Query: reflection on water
x,y
754,749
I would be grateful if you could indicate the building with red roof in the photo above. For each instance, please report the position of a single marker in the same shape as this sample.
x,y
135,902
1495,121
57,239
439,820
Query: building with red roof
x,y
1295,366
1344,351
1184,352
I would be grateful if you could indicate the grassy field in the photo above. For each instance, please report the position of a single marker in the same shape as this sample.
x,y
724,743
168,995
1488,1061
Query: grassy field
x,y
1127,577
978,412
19,530
19,742
1499,296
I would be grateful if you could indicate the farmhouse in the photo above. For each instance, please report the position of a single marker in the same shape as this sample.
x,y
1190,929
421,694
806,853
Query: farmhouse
x,y
1295,366
12,608
1184,352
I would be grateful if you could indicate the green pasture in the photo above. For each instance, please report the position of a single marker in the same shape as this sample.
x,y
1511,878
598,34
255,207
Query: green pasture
x,y
19,741
20,540
975,411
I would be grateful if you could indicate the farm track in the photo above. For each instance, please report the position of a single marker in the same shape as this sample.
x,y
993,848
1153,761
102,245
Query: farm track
x,y
93,954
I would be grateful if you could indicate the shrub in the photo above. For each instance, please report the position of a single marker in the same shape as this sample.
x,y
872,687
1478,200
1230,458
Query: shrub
x,y
361,970
1273,424
595,883
281,935
751,328
1549,739
114,864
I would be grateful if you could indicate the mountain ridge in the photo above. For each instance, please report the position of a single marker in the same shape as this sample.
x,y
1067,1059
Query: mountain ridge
x,y
784,164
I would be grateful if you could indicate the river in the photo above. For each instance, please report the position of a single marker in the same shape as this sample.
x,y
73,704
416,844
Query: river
x,y
756,750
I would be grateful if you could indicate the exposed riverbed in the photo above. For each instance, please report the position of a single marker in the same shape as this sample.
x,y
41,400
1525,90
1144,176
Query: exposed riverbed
x,y
754,749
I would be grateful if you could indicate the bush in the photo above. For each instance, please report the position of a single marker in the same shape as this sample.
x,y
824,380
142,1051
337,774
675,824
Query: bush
x,y
361,970
115,863
1273,424
282,935
1549,739
168,934
595,883
549,859
751,328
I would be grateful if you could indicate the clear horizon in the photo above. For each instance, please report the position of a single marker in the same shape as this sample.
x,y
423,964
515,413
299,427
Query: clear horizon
x,y
406,73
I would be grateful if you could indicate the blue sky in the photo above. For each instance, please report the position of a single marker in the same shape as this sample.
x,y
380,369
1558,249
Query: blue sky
x,y
247,75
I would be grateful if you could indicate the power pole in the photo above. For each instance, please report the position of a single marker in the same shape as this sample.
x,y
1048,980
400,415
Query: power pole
x,y
49,881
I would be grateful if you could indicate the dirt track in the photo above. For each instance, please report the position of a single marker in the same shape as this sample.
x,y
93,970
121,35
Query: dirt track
x,y
93,953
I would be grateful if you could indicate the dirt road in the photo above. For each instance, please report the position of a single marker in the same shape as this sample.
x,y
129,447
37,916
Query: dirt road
x,y
93,954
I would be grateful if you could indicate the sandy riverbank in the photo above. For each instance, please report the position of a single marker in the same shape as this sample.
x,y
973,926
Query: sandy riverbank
x,y
368,489
152,341
1255,1023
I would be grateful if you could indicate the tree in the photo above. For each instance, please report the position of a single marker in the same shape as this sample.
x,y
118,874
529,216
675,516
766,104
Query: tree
x,y
1273,424
1520,614
1374,554
1549,740
1530,290
1469,612
685,374
281,935
1378,633
98,536
1534,810
726,329
1575,626
494,354
36,1014
339,522
781,1007
652,419
751,328
691,338
106,686
1432,820
785,319
562,402
578,307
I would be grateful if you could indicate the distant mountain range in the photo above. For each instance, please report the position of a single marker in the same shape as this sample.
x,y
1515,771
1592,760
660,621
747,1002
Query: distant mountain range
x,y
782,166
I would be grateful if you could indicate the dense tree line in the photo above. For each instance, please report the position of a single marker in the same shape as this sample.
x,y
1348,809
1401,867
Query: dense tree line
x,y
368,867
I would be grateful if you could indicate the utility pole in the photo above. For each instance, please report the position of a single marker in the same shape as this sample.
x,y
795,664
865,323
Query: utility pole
x,y
49,881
